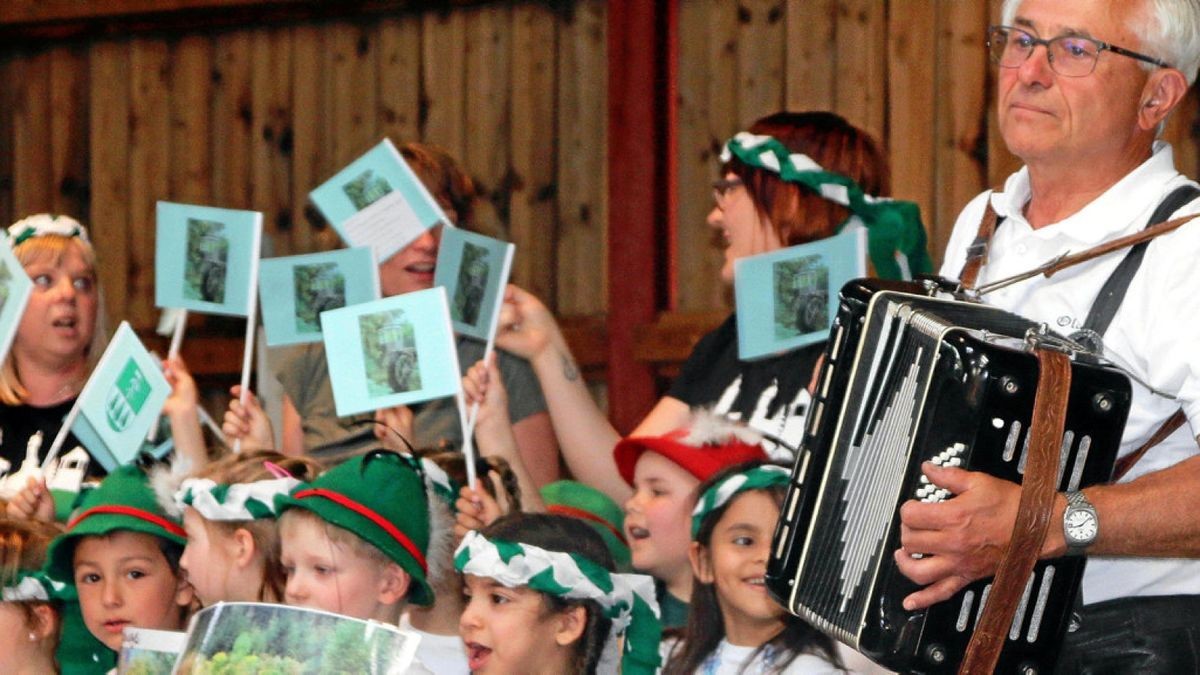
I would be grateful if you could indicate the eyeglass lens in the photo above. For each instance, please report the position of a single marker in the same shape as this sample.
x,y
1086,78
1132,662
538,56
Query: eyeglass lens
x,y
1069,55
722,187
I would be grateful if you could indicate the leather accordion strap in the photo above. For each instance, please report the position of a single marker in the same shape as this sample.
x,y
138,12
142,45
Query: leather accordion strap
x,y
1168,427
977,251
1033,514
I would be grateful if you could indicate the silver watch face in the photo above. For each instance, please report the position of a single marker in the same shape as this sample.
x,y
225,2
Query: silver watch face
x,y
1081,526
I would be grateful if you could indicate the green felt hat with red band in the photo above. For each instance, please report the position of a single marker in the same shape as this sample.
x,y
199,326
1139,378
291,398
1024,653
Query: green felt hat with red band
x,y
380,497
123,501
576,500
710,442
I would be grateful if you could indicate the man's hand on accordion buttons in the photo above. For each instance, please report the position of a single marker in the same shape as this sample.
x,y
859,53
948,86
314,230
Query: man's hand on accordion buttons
x,y
958,540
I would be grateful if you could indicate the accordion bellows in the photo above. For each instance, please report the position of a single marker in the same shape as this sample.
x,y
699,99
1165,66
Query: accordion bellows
x,y
908,378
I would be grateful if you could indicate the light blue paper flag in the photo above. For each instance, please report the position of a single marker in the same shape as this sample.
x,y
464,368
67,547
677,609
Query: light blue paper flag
x,y
377,201
474,271
15,288
118,405
294,290
787,299
206,258
390,352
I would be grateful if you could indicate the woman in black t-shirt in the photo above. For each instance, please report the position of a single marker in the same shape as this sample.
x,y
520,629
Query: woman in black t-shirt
x,y
57,338
762,203
787,181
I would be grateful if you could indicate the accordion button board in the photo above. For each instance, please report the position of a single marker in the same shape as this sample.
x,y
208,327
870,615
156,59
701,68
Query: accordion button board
x,y
910,378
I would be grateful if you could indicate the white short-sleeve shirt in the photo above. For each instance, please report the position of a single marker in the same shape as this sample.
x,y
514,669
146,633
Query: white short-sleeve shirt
x,y
1155,335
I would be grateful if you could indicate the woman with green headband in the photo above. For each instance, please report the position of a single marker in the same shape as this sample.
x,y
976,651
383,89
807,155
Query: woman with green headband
x,y
734,625
763,202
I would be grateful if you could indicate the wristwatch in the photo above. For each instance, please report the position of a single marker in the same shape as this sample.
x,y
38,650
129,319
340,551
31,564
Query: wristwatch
x,y
1080,523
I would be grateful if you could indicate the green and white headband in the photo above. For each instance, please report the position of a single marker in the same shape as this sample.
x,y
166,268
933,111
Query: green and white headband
x,y
718,495
234,502
32,587
45,223
893,226
627,599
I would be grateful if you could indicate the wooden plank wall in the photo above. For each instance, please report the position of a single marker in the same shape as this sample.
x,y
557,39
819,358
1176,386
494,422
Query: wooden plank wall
x,y
254,117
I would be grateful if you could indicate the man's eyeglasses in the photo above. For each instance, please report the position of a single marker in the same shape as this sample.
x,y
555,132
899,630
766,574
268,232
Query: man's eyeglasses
x,y
722,188
1069,55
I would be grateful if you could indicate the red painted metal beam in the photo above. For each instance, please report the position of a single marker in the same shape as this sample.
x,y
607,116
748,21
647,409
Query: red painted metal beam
x,y
641,94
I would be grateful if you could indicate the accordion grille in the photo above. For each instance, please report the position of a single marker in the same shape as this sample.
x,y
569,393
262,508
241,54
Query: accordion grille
x,y
863,480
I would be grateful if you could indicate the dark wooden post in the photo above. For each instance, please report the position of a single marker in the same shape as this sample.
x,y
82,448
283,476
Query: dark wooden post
x,y
641,191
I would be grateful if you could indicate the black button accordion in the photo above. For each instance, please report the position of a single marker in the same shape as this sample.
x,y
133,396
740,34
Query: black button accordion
x,y
910,377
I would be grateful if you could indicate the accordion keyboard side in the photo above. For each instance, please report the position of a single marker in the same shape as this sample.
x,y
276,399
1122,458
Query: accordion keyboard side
x,y
791,530
832,562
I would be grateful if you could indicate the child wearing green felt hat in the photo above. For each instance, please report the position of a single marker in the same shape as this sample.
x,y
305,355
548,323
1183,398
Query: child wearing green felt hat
x,y
228,511
355,540
41,627
576,500
121,551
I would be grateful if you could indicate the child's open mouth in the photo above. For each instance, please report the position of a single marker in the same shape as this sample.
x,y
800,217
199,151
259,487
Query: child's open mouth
x,y
477,655
638,533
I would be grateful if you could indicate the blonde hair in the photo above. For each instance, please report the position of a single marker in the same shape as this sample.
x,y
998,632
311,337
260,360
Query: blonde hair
x,y
340,536
352,545
247,468
23,545
52,248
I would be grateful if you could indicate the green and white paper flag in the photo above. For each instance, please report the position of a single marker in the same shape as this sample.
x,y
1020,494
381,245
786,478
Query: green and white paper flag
x,y
120,402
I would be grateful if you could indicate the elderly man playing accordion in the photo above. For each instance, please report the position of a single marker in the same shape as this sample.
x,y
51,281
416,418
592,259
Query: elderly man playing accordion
x,y
1084,88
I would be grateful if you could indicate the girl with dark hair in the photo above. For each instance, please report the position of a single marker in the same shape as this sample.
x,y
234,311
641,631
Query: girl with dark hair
x,y
542,598
734,626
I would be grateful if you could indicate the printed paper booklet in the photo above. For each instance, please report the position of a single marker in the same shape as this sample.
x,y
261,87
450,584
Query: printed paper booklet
x,y
205,258
474,270
257,639
787,299
390,352
150,652
294,290
377,201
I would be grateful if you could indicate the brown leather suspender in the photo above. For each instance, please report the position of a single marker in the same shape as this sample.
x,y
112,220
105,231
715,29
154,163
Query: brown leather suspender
x,y
977,251
1110,295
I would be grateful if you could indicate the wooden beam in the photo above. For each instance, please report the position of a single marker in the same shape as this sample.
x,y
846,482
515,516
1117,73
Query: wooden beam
x,y
54,11
641,87
30,20
670,339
